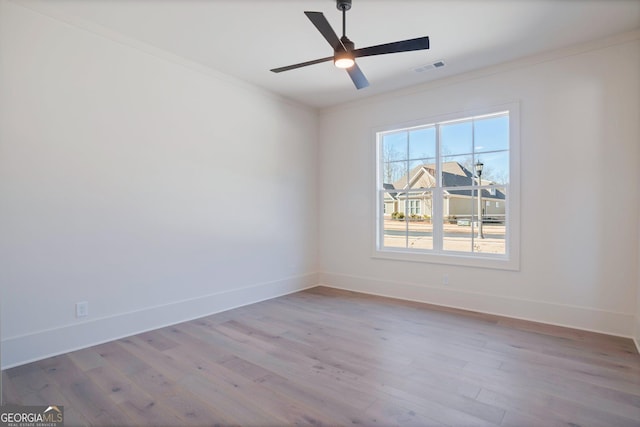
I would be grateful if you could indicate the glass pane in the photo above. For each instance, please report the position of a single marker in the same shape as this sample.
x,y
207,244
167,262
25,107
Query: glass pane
x,y
493,234
491,134
457,171
423,173
420,229
496,167
459,222
394,146
422,144
394,158
456,138
395,226
393,172
395,234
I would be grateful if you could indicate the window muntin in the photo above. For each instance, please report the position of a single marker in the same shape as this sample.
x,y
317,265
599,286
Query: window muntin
x,y
439,160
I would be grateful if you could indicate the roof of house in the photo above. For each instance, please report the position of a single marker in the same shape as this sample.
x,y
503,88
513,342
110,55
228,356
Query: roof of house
x,y
390,187
453,175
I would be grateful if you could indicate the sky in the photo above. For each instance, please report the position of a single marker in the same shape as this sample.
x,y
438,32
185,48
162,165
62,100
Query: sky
x,y
484,139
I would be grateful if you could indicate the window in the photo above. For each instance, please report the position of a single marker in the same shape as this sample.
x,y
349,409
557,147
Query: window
x,y
413,207
445,190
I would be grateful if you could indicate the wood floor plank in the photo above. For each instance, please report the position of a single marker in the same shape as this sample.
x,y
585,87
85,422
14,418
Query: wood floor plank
x,y
10,392
327,357
158,341
83,394
140,406
388,412
335,409
53,394
235,376
87,358
191,410
234,407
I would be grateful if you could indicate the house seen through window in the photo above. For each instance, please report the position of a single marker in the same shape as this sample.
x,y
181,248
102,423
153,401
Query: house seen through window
x,y
443,188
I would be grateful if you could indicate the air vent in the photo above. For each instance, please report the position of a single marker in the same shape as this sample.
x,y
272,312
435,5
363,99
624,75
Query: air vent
x,y
422,69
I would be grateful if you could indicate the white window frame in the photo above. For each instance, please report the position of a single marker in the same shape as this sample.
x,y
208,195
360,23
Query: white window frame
x,y
508,261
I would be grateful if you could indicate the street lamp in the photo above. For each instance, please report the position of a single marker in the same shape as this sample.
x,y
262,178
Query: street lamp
x,y
479,166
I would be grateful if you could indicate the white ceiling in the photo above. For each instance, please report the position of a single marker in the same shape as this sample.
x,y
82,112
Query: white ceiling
x,y
246,38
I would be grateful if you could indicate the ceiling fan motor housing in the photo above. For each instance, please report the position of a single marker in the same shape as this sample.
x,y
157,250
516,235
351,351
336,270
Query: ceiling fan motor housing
x,y
343,4
348,44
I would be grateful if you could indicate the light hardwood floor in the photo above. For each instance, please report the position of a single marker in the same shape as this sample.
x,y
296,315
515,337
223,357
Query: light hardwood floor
x,y
326,357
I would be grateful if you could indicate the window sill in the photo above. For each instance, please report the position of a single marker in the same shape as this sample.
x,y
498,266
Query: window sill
x,y
497,262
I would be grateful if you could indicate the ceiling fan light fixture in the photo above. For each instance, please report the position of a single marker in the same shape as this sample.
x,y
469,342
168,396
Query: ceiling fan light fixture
x,y
344,63
343,60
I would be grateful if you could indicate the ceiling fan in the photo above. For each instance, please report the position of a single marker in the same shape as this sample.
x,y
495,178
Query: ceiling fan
x,y
344,54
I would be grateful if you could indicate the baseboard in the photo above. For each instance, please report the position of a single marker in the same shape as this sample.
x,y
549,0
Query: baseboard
x,y
584,318
39,345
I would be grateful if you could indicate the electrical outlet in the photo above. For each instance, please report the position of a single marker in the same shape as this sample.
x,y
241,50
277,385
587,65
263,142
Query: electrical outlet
x,y
445,279
82,309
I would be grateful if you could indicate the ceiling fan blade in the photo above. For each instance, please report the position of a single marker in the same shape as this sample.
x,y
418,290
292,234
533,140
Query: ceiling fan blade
x,y
402,46
302,64
321,23
357,76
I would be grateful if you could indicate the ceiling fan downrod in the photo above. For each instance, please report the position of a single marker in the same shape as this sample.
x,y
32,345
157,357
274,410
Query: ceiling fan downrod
x,y
344,5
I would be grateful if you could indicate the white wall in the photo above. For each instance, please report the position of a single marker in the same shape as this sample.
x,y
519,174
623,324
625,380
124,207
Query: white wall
x,y
579,190
153,189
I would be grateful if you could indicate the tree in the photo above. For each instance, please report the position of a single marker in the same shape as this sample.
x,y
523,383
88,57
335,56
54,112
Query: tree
x,y
393,166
